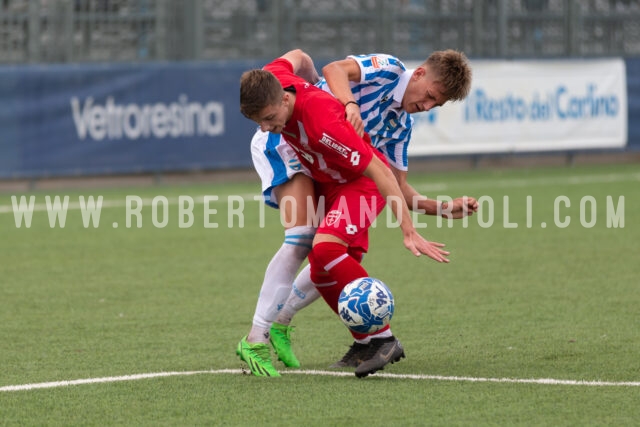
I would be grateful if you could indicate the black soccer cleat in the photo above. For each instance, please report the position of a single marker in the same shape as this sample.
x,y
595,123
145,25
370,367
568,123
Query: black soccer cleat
x,y
380,353
353,357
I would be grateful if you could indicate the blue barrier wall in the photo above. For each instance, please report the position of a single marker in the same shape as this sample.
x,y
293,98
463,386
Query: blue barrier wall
x,y
633,95
104,119
61,120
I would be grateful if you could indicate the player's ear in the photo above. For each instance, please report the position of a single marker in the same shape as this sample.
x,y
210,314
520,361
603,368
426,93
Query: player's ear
x,y
419,72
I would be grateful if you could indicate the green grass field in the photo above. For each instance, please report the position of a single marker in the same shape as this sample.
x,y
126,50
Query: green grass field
x,y
559,303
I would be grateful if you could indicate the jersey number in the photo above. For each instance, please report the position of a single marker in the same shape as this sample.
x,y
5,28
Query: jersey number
x,y
355,158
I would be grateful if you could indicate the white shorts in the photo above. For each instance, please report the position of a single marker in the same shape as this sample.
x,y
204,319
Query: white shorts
x,y
275,161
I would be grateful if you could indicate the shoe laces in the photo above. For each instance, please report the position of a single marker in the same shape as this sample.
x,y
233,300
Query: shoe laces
x,y
288,330
285,330
262,352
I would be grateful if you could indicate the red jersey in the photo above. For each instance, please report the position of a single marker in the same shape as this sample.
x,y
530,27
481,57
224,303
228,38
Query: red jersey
x,y
324,140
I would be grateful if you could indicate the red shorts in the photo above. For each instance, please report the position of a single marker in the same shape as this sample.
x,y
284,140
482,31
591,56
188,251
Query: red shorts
x,y
349,210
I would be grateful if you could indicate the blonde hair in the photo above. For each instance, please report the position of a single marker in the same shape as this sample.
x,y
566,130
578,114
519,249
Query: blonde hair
x,y
258,89
451,69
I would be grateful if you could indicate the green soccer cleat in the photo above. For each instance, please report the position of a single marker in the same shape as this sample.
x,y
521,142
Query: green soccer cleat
x,y
258,357
280,337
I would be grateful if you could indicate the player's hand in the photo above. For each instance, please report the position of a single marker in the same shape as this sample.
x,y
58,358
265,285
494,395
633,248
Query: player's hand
x,y
352,114
418,245
459,208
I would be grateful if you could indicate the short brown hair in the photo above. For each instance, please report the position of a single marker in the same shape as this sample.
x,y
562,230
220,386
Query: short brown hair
x,y
258,89
452,70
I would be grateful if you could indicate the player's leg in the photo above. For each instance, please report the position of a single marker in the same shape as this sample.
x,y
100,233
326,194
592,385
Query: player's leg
x,y
283,182
302,294
286,262
369,352
339,245
342,236
293,197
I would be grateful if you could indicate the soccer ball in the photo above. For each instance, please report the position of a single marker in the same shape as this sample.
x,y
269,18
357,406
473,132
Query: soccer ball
x,y
365,305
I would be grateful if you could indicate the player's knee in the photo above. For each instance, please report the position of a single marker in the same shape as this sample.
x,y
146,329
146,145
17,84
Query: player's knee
x,y
300,240
317,272
326,253
300,252
321,258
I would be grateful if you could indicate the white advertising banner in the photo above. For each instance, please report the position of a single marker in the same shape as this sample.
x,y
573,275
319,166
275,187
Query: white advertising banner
x,y
520,106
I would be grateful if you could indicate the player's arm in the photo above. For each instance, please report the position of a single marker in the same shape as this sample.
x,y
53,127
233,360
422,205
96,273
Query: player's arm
x,y
338,74
457,208
388,187
302,65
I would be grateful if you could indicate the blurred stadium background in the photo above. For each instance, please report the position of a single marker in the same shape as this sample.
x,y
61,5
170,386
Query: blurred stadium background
x,y
106,55
44,31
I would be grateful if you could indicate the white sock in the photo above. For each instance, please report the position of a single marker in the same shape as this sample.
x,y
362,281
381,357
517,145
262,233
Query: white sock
x,y
383,334
278,278
302,294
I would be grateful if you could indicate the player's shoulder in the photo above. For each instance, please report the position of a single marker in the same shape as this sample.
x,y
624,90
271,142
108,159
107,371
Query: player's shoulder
x,y
379,61
283,70
318,101
279,64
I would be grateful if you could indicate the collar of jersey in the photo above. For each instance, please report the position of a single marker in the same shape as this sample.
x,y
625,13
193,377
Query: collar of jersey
x,y
398,92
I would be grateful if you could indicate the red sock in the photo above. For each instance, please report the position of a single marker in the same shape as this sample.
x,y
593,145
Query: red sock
x,y
332,268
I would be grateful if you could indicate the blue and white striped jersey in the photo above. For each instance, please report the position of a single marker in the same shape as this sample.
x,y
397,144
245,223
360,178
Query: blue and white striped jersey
x,y
379,93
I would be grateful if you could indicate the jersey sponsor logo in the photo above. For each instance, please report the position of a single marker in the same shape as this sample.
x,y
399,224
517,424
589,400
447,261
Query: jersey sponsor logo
x,y
351,229
339,147
332,217
379,62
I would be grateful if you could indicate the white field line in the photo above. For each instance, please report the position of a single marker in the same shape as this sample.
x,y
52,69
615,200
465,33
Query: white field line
x,y
542,381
